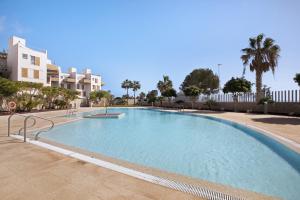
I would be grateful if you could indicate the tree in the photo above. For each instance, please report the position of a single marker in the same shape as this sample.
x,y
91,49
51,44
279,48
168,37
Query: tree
x,y
106,96
160,99
50,94
142,96
204,79
118,101
127,84
166,88
169,93
237,86
28,96
193,92
297,79
96,96
261,56
165,84
135,87
7,89
151,96
67,96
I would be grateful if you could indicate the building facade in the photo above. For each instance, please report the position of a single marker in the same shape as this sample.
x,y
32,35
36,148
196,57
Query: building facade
x,y
26,64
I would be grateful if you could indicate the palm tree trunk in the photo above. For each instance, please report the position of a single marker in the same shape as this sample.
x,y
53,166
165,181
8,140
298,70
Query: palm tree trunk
x,y
258,85
127,96
134,97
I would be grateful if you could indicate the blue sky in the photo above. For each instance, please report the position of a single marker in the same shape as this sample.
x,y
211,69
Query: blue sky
x,y
143,40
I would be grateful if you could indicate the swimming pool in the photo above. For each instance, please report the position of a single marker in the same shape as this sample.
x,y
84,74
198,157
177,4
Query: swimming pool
x,y
200,147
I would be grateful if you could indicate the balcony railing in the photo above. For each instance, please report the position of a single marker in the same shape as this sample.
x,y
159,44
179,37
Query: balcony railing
x,y
54,79
85,80
70,80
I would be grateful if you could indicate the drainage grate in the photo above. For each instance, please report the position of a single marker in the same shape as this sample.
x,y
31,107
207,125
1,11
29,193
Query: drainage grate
x,y
198,191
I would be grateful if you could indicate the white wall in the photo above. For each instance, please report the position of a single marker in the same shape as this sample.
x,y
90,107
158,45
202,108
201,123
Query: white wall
x,y
16,61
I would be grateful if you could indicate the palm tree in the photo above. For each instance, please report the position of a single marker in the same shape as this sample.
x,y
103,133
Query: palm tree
x,y
261,56
165,84
126,85
135,87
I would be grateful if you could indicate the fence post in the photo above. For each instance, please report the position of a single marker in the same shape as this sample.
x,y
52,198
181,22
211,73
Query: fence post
x,y
284,95
279,96
272,95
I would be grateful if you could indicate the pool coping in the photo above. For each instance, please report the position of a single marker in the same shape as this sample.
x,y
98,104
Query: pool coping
x,y
202,192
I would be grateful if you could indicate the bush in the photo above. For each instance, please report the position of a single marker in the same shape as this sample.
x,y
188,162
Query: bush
x,y
265,100
119,101
210,103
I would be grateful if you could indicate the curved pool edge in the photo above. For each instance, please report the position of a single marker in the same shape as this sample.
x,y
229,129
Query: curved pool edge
x,y
285,141
285,148
212,191
198,115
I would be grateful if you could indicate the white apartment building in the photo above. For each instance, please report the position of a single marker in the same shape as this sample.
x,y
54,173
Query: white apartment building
x,y
31,65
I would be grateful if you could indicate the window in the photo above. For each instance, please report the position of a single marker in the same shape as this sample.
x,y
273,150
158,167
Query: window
x,y
32,60
84,93
62,85
82,87
25,56
35,60
93,87
24,72
96,80
36,74
69,86
78,86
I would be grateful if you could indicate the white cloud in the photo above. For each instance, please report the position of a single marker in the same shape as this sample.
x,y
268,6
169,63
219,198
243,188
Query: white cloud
x,y
2,23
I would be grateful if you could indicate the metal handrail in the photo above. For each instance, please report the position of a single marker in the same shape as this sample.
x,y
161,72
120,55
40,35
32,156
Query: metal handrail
x,y
8,121
37,134
32,125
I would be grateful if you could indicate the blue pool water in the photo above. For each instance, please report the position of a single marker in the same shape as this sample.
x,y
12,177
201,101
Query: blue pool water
x,y
199,147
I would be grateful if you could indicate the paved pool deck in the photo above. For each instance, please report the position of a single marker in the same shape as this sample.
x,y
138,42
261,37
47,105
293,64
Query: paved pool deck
x,y
31,172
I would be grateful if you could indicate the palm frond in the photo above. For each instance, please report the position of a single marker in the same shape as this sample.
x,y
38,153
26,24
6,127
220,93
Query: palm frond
x,y
252,43
259,40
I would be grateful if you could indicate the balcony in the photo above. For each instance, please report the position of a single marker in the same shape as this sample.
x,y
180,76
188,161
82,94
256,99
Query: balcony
x,y
70,80
85,80
56,79
52,69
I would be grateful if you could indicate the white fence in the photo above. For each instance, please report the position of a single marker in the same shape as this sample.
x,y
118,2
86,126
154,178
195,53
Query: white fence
x,y
290,96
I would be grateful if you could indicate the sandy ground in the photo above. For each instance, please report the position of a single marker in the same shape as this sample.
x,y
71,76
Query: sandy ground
x,y
31,172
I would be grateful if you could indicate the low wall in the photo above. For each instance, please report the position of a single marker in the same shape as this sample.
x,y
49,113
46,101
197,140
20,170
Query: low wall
x,y
275,108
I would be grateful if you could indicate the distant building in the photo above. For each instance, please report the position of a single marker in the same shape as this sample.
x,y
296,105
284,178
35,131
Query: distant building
x,y
26,64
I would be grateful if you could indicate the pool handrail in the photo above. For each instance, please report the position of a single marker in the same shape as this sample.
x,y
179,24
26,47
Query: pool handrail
x,y
39,132
8,121
32,125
